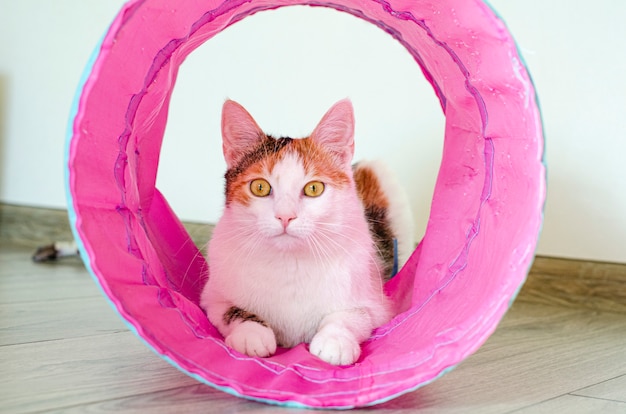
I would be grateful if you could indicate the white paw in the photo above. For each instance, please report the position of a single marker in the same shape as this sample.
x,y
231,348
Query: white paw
x,y
336,349
252,339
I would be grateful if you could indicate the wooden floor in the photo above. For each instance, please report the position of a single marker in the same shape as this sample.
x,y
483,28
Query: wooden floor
x,y
63,349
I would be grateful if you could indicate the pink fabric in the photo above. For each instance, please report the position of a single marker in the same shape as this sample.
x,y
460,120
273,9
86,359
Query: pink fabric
x,y
486,210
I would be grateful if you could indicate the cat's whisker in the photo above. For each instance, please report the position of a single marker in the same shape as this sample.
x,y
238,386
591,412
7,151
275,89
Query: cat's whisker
x,y
335,243
193,259
373,258
239,233
320,250
246,249
253,247
180,248
314,248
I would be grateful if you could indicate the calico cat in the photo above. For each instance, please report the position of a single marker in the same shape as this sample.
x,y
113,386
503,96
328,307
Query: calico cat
x,y
305,242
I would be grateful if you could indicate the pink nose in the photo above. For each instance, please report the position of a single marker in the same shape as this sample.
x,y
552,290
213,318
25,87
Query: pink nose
x,y
285,219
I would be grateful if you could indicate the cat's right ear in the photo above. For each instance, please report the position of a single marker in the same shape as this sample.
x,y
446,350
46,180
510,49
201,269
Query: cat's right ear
x,y
240,132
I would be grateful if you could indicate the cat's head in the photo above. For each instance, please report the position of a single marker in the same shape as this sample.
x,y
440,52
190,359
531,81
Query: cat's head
x,y
289,191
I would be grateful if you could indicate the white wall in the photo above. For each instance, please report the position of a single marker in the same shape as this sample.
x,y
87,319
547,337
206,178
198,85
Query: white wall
x,y
287,71
44,46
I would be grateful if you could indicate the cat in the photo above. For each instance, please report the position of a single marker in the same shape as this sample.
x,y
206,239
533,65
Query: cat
x,y
306,240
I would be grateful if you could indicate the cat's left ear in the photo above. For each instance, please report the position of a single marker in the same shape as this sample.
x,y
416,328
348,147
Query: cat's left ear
x,y
335,132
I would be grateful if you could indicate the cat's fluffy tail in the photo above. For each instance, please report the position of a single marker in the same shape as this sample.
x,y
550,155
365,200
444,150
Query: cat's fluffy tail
x,y
398,212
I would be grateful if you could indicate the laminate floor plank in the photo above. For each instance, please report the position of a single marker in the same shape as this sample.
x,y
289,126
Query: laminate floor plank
x,y
191,399
45,376
575,404
26,322
613,389
22,280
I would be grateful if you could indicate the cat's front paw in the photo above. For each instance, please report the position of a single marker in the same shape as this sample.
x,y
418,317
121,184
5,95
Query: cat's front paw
x,y
335,348
252,339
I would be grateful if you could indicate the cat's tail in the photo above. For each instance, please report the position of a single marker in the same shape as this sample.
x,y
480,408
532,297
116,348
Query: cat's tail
x,y
388,212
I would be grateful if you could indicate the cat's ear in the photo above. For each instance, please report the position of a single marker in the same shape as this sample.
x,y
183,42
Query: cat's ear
x,y
240,132
335,131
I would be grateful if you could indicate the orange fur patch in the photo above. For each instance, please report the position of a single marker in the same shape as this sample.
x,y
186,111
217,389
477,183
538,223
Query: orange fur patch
x,y
320,163
238,190
368,187
262,160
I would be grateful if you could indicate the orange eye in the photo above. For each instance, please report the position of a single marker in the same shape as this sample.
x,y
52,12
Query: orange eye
x,y
314,189
260,187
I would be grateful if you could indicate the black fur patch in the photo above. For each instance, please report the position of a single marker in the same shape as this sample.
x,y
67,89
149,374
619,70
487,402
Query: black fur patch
x,y
375,206
382,235
234,313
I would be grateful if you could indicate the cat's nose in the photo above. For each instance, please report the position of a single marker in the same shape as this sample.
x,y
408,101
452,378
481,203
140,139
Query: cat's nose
x,y
285,219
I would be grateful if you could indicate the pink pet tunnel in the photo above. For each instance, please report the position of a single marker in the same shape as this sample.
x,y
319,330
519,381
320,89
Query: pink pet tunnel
x,y
480,239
